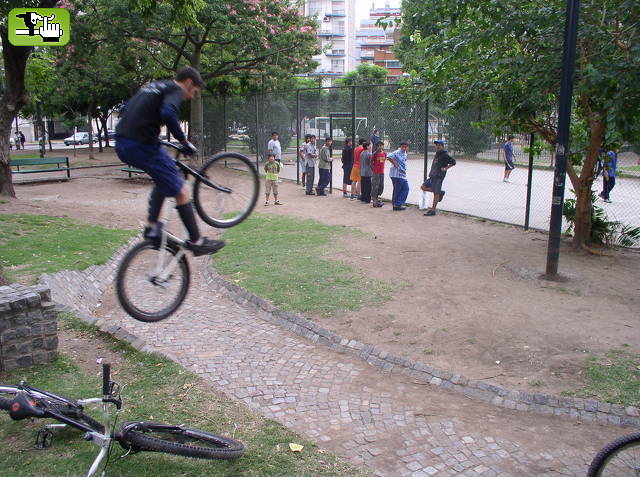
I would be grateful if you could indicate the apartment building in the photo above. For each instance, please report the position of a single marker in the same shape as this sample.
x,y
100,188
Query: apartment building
x,y
374,44
336,36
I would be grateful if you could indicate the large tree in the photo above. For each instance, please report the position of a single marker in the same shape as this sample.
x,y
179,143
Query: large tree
x,y
507,56
244,38
13,94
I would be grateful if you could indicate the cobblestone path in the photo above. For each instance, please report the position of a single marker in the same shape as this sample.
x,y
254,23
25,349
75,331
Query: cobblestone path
x,y
387,422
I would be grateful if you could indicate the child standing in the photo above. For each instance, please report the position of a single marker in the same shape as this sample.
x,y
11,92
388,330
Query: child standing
x,y
377,169
355,170
365,173
272,170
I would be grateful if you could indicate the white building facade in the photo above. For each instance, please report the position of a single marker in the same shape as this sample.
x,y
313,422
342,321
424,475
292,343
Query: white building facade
x,y
336,36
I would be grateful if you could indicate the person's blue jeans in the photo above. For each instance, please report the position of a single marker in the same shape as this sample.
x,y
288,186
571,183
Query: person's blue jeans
x,y
323,180
400,191
310,178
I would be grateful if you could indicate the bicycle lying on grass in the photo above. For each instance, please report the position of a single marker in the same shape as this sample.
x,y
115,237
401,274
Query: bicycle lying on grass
x,y
620,458
24,401
153,277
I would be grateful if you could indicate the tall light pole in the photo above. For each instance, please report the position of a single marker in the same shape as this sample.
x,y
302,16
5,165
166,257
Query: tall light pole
x,y
562,146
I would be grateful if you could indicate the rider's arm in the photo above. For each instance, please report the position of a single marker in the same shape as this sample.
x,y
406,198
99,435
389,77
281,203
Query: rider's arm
x,y
169,116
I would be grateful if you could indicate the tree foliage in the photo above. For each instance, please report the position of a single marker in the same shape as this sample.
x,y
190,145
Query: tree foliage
x,y
508,57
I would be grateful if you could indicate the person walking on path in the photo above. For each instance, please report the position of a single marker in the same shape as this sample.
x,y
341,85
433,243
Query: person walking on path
x,y
138,145
365,173
377,173
398,174
310,154
22,139
442,162
324,166
347,165
272,172
609,169
508,159
355,170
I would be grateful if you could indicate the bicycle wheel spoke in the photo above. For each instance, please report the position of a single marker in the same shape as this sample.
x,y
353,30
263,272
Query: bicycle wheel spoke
x,y
235,192
152,282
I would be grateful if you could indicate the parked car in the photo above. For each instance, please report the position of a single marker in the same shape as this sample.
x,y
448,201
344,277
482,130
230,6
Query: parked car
x,y
79,138
111,133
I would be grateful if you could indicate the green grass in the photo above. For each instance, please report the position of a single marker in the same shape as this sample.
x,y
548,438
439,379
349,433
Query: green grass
x,y
289,261
35,244
160,390
614,378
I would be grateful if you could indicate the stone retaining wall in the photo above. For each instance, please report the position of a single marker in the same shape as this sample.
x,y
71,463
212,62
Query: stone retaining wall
x,y
28,326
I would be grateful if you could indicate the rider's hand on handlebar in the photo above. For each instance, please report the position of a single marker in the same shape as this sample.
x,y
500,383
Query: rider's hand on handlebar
x,y
189,148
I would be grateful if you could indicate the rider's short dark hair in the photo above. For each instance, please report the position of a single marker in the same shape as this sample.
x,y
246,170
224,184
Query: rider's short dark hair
x,y
189,73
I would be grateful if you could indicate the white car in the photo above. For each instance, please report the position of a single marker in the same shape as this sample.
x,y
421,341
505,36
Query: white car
x,y
79,138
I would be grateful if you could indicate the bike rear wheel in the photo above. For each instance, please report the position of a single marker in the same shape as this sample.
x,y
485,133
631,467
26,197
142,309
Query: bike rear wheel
x,y
235,193
619,458
152,282
178,440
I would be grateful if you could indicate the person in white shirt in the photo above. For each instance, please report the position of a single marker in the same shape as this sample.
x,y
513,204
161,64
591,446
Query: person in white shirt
x,y
273,147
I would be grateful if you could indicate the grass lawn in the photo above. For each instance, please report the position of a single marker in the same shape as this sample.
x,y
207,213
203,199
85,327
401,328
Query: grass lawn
x,y
289,261
160,390
614,378
35,244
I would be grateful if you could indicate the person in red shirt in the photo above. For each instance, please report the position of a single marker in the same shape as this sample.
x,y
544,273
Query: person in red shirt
x,y
355,170
377,168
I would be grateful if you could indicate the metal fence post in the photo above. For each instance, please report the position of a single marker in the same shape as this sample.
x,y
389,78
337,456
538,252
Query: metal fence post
x,y
426,140
257,134
527,210
298,136
224,121
331,154
354,140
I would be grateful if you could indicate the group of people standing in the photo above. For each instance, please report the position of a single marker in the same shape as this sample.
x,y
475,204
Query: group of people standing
x,y
19,139
364,169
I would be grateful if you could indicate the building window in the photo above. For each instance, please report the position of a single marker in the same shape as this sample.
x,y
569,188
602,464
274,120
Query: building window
x,y
392,64
337,66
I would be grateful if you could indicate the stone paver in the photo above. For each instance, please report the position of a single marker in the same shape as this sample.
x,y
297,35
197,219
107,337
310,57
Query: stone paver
x,y
386,422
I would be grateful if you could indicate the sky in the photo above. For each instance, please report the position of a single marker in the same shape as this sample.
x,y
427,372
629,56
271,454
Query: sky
x,y
363,7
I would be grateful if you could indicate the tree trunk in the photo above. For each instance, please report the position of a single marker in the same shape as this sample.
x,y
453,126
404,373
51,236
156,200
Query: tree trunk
x,y
13,98
196,120
582,185
90,123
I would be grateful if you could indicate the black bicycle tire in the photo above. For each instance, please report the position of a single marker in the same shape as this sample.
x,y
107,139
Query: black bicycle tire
x,y
196,190
140,440
61,404
602,458
122,295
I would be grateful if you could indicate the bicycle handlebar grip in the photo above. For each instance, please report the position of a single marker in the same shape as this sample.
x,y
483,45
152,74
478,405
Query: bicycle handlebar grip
x,y
106,378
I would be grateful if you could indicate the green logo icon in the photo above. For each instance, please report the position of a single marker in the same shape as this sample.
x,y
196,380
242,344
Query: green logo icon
x,y
39,26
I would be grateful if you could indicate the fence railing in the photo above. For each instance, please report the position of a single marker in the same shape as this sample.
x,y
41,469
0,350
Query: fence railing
x,y
474,187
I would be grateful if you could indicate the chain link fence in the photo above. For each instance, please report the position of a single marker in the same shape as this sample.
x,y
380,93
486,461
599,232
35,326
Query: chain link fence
x,y
474,187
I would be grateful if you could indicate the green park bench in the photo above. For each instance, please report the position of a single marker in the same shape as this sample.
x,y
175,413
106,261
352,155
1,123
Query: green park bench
x,y
132,170
40,161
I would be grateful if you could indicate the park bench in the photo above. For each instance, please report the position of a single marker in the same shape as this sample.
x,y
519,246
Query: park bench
x,y
132,170
41,161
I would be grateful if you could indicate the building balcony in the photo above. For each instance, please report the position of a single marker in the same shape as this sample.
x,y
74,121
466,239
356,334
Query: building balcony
x,y
335,53
335,13
331,33
366,56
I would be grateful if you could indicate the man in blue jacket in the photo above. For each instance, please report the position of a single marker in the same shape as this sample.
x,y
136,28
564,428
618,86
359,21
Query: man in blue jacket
x,y
138,144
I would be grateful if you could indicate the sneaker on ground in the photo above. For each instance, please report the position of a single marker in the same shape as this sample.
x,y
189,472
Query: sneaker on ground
x,y
430,212
205,246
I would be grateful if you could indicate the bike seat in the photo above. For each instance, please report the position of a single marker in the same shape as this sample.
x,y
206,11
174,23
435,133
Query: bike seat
x,y
23,406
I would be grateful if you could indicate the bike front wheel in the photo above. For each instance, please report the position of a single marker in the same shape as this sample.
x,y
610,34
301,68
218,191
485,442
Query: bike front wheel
x,y
231,192
178,440
152,281
618,458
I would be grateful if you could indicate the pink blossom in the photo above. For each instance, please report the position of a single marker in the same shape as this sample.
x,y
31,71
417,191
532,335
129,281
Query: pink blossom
x,y
272,30
233,12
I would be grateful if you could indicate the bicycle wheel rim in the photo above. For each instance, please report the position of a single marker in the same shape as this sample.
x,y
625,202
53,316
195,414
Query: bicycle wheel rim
x,y
183,441
146,292
620,458
237,176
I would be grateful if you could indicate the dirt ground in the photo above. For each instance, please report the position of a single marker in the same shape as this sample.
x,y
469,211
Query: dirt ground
x,y
468,295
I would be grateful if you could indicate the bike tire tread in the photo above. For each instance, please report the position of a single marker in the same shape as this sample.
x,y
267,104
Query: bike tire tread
x,y
602,457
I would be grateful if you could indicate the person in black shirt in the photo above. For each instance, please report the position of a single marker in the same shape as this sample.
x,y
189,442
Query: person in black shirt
x,y
442,162
347,165
138,145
